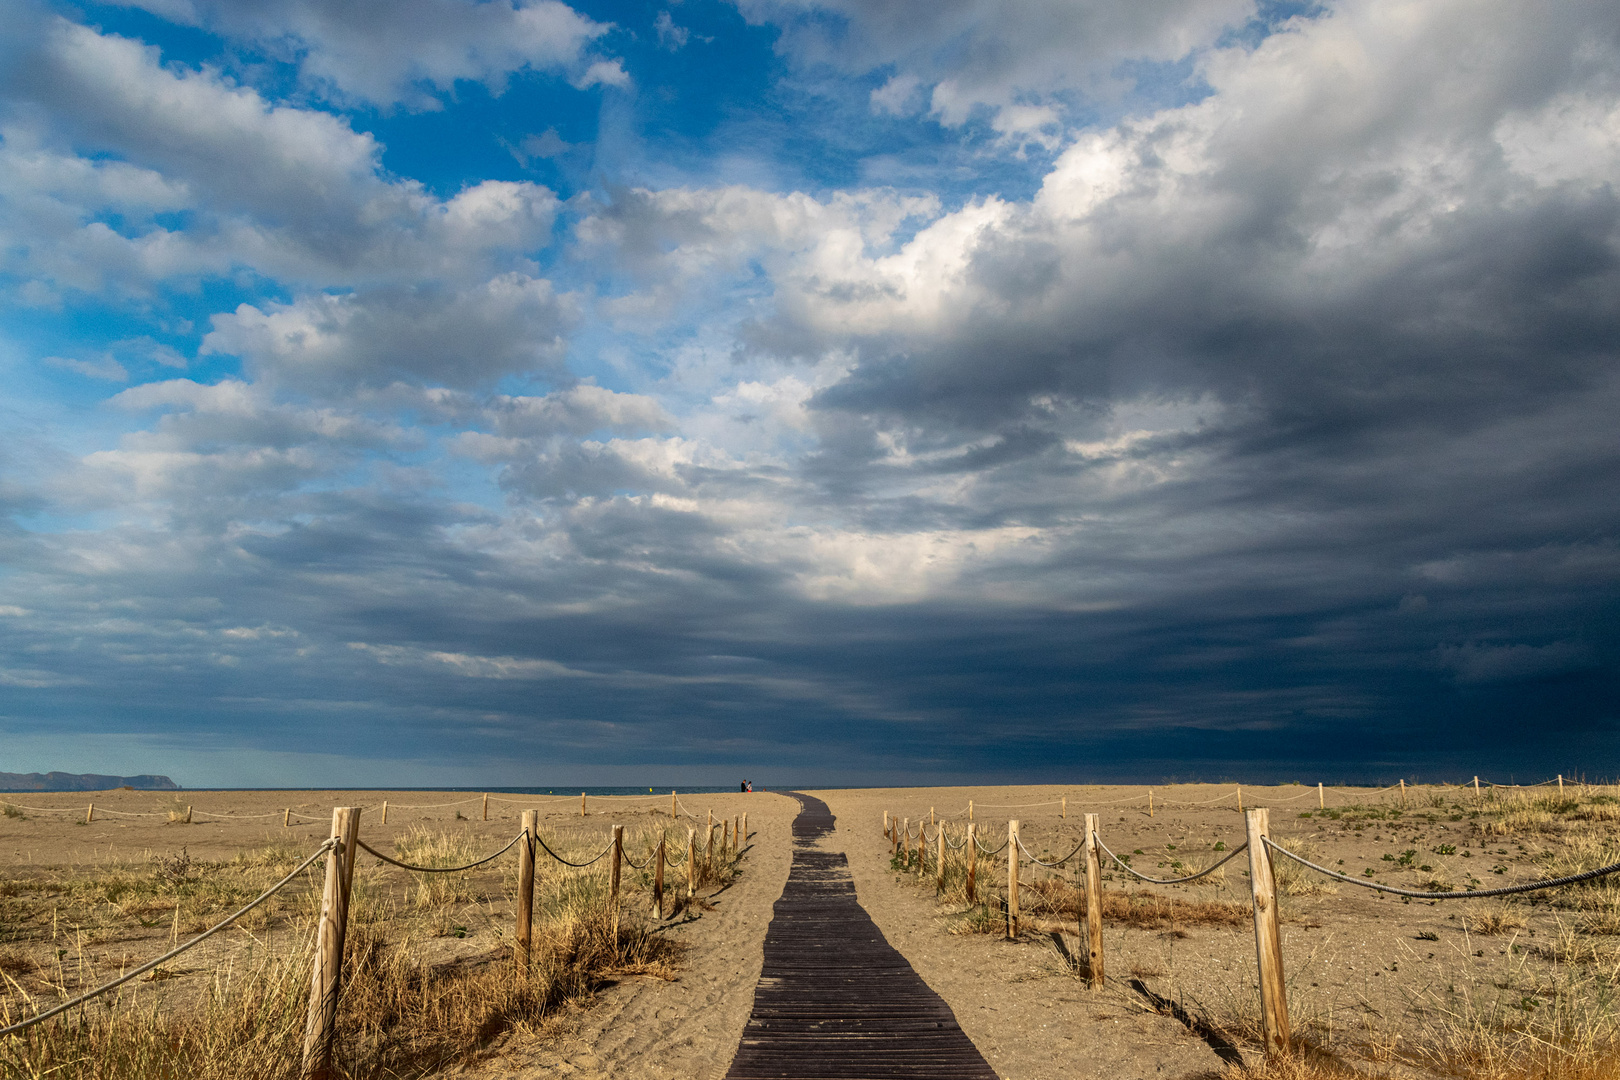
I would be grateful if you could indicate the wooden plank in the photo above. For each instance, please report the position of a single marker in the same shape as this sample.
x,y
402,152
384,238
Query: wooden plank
x,y
835,1001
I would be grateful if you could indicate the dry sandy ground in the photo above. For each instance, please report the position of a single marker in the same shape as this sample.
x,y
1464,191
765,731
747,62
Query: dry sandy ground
x,y
1358,966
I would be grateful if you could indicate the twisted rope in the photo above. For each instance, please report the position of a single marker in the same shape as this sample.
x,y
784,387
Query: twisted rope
x,y
1549,883
437,869
332,844
1172,881
1051,865
641,865
980,845
541,841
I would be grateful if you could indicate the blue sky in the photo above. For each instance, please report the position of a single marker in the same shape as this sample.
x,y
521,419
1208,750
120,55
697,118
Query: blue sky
x,y
454,393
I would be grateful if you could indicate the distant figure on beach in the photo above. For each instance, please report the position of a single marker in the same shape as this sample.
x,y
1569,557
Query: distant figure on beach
x,y
743,786
748,785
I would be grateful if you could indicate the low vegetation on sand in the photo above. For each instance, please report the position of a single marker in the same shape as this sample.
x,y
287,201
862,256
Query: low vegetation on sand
x,y
1532,992
430,975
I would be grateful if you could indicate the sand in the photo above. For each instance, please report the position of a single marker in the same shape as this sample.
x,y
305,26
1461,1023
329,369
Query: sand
x,y
1360,968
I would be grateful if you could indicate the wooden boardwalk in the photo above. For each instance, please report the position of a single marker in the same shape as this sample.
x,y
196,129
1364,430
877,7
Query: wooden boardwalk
x,y
835,1000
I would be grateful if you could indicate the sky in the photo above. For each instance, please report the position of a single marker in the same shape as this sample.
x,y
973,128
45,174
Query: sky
x,y
439,392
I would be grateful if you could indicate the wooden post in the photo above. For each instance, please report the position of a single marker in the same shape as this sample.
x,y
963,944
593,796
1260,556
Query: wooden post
x,y
973,863
1267,941
885,824
905,843
931,816
188,811
691,863
922,848
736,837
385,812
725,837
1403,793
90,814
970,809
1065,808
286,818
894,837
744,830
582,804
939,862
708,843
1150,802
1240,798
1560,787
327,977
1094,942
673,809
1012,880
1321,800
486,806
658,880
525,894
613,871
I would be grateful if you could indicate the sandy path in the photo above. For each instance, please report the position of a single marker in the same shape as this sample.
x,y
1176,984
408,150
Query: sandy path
x,y
1029,1021
688,1029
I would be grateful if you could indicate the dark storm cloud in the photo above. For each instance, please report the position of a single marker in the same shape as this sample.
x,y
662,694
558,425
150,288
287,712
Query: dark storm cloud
x,y
1275,433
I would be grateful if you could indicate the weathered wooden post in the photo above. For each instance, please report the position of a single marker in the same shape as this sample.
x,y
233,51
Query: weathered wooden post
x,y
1267,939
1560,785
286,818
1012,880
486,806
894,837
658,880
885,824
691,863
1321,799
939,861
1065,808
327,977
970,809
1403,793
905,843
744,830
385,812
582,804
90,813
1240,798
672,804
188,813
1150,802
1094,942
931,820
973,863
1476,791
525,894
922,849
618,860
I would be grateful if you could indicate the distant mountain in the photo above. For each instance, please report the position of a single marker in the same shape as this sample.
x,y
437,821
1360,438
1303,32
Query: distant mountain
x,y
61,781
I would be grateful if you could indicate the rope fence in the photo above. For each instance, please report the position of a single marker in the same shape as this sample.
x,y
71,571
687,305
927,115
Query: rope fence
x,y
1479,788
1258,845
291,815
341,848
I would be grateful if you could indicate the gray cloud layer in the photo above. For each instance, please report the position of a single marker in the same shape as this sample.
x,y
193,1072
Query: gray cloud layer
x,y
1274,432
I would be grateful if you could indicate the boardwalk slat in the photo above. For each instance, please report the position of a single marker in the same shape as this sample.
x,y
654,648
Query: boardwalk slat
x,y
835,1001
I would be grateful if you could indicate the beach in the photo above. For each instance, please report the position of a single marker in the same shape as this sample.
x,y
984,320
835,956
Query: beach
x,y
1180,996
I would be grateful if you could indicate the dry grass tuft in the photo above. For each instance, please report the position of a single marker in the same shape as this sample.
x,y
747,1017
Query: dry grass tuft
x,y
1493,919
401,1014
